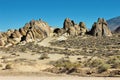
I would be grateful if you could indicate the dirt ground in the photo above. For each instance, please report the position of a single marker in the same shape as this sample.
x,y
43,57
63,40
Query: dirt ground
x,y
30,62
55,78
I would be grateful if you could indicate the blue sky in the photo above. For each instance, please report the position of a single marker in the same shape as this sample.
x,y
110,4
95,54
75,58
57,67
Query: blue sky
x,y
15,13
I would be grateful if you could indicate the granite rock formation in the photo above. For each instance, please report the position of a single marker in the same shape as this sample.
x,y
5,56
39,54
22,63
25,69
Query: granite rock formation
x,y
74,29
37,30
100,28
32,31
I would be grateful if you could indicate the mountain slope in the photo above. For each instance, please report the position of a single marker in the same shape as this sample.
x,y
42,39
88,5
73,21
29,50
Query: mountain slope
x,y
114,23
117,30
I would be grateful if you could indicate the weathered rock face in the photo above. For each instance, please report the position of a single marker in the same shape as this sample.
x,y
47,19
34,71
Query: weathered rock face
x,y
68,23
1,35
58,31
1,42
83,28
100,28
74,29
35,30
3,38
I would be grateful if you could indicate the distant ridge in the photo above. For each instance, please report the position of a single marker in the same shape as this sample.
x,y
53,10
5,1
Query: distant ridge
x,y
117,30
114,23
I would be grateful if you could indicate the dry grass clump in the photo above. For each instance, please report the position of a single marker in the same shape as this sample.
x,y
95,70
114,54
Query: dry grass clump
x,y
1,65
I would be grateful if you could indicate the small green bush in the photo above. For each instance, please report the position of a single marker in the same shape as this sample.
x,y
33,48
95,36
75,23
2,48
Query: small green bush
x,y
116,64
103,68
96,62
93,63
114,61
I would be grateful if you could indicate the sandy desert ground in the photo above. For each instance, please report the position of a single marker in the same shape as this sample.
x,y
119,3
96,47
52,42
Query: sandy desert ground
x,y
23,59
55,78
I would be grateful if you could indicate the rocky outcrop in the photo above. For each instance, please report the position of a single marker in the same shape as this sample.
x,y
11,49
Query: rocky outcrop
x,y
83,28
100,28
32,31
74,29
68,23
58,31
36,30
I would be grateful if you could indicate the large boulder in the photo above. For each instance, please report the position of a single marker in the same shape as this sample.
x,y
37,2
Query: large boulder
x,y
16,34
9,32
37,30
71,31
58,31
2,43
22,31
83,29
15,37
67,24
3,39
100,28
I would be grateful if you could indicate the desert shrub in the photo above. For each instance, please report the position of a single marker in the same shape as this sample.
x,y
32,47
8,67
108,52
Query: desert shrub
x,y
1,65
93,62
114,61
62,63
116,64
114,73
23,49
104,67
44,56
66,64
96,62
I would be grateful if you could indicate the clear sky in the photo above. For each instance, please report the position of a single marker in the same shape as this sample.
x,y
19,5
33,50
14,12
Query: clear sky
x,y
15,13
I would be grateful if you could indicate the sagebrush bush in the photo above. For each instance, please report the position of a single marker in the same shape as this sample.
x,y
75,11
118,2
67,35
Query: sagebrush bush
x,y
114,61
93,62
66,64
104,67
96,62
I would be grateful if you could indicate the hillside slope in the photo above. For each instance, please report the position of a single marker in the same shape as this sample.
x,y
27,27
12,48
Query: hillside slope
x,y
114,23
